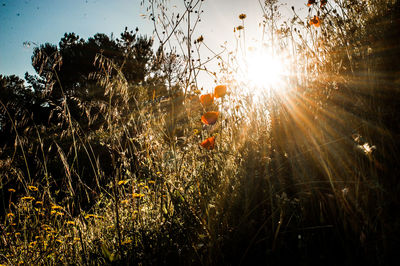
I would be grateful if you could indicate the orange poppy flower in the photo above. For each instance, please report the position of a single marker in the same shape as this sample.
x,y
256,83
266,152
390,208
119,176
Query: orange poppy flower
x,y
315,21
210,118
310,2
323,3
220,91
207,99
208,143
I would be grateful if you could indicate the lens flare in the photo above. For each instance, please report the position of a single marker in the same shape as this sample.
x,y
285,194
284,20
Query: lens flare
x,y
263,73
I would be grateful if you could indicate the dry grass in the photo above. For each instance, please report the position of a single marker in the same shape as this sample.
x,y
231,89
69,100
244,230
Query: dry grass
x,y
306,176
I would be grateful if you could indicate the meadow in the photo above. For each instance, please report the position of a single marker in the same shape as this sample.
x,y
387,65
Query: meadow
x,y
113,153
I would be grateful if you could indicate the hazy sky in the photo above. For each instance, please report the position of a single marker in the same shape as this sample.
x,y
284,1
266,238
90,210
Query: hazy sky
x,y
41,21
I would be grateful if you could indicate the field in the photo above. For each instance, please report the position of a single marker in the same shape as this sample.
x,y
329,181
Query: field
x,y
113,153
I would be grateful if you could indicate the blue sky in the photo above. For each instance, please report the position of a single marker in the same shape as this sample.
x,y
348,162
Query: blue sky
x,y
41,21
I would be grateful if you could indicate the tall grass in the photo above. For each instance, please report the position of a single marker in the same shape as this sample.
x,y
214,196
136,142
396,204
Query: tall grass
x,y
305,176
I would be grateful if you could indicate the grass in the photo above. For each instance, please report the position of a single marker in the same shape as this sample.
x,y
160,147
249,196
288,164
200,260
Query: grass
x,y
308,176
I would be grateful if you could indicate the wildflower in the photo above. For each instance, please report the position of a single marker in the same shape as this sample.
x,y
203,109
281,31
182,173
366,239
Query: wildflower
x,y
137,195
33,188
315,21
56,207
208,143
10,214
242,16
28,198
11,190
210,118
59,241
39,202
240,27
123,182
220,91
310,2
124,201
70,222
152,182
323,3
53,212
200,39
207,99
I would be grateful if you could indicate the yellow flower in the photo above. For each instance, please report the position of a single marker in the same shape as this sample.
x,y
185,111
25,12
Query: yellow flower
x,y
39,202
59,213
124,201
152,182
123,182
138,195
28,198
53,212
10,214
56,207
11,190
33,188
242,16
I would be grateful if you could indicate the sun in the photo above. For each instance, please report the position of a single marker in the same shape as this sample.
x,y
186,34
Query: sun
x,y
264,69
263,72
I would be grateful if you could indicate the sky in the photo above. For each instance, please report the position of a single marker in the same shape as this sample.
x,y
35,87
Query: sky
x,y
41,21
